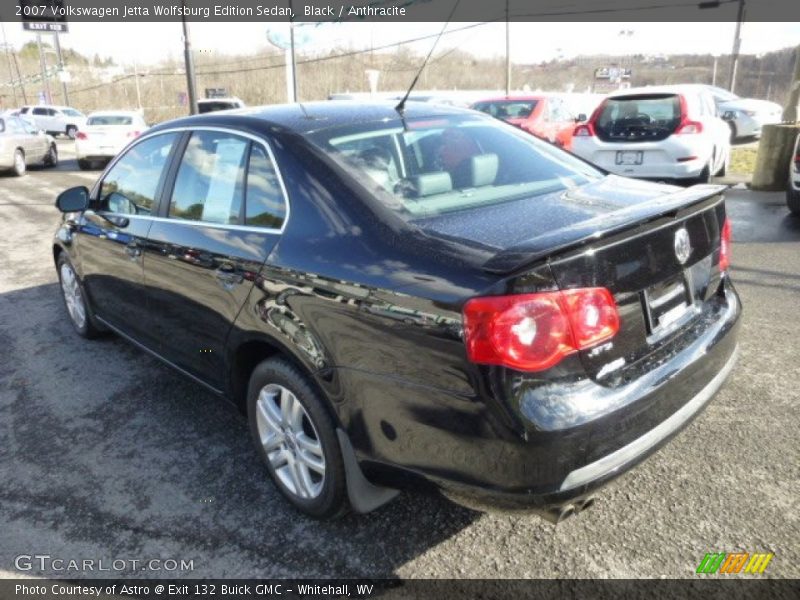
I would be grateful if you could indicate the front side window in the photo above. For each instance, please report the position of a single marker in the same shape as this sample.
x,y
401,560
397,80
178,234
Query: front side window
x,y
130,186
40,111
210,182
425,167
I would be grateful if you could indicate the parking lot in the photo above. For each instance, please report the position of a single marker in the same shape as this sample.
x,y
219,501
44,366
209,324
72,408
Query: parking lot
x,y
107,454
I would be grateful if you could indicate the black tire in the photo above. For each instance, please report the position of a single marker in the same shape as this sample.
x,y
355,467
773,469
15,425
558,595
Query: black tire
x,y
20,167
792,198
705,174
51,160
331,502
84,165
723,170
71,131
89,329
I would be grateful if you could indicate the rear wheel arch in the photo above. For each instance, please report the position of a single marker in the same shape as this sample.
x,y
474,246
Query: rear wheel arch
x,y
248,354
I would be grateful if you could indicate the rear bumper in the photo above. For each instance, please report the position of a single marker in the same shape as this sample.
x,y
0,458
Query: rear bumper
x,y
660,159
581,436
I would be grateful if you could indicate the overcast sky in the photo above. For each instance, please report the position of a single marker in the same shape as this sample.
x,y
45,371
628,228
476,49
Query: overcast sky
x,y
530,42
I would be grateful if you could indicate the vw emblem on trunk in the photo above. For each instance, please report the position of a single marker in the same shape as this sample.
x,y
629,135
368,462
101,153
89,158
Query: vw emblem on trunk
x,y
683,248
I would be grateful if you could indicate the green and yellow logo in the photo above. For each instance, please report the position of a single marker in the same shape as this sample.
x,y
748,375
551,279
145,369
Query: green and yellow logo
x,y
740,562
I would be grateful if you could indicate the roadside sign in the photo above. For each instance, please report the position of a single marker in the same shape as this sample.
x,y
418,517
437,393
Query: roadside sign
x,y
45,27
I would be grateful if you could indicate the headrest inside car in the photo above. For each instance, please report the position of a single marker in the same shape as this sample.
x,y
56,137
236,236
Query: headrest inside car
x,y
433,183
483,169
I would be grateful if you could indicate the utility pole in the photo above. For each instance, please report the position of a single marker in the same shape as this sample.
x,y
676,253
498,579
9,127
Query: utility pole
x,y
138,91
43,67
791,113
61,68
291,63
189,61
19,77
508,53
8,56
737,42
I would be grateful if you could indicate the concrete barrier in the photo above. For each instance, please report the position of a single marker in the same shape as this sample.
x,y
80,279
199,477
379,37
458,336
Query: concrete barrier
x,y
774,153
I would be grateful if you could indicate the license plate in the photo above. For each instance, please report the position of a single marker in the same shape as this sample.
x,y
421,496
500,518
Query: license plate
x,y
666,303
627,157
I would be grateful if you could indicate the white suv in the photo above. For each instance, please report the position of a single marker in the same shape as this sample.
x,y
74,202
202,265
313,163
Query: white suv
x,y
793,185
55,120
662,133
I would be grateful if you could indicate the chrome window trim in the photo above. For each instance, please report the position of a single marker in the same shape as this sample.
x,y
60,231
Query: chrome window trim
x,y
264,143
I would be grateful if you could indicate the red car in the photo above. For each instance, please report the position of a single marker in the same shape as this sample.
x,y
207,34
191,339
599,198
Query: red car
x,y
546,117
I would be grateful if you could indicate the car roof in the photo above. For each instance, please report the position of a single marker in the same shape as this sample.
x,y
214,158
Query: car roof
x,y
222,99
661,89
115,113
308,117
515,98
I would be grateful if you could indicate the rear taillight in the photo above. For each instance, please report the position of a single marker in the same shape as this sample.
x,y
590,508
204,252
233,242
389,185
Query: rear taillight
x,y
587,129
81,136
686,126
533,332
725,246
797,163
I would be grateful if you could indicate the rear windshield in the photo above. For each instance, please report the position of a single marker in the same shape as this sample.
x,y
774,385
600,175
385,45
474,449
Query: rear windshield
x,y
204,107
71,112
110,120
440,165
639,117
507,109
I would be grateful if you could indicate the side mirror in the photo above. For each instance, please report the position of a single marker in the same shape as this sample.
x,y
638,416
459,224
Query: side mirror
x,y
73,200
581,118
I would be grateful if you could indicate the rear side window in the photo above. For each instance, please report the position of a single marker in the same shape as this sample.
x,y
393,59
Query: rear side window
x,y
507,109
210,182
40,111
131,184
265,204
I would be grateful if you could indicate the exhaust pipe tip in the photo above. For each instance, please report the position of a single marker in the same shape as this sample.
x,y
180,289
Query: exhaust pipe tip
x,y
565,513
585,504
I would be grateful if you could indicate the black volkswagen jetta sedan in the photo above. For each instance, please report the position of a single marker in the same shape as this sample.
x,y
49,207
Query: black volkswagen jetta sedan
x,y
391,297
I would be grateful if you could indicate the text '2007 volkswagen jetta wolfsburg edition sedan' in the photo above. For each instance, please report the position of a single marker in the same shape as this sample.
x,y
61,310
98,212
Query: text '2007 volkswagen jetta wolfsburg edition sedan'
x,y
515,326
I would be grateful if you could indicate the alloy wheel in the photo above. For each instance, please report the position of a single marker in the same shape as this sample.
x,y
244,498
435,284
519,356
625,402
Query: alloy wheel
x,y
73,296
290,441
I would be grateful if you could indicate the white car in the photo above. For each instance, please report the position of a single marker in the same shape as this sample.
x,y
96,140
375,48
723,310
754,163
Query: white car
x,y
793,185
106,133
660,132
55,120
207,105
745,116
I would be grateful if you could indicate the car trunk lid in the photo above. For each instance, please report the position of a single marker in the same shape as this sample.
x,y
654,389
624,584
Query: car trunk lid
x,y
619,234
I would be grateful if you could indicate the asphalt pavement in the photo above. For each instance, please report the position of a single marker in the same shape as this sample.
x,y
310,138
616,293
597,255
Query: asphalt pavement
x,y
107,454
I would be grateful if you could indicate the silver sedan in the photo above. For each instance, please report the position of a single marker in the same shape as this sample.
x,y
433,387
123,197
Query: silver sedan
x,y
22,144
